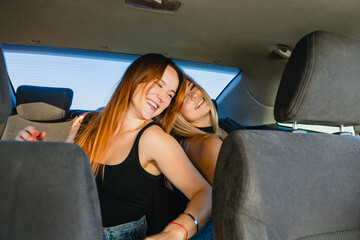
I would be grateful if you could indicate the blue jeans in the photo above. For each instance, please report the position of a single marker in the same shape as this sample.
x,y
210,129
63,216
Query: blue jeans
x,y
128,231
206,233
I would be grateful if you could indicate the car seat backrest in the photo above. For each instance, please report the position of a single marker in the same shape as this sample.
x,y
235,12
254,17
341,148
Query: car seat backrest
x,y
5,96
282,185
44,108
47,189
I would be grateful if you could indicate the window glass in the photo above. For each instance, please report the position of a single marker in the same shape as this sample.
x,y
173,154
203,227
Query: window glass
x,y
93,75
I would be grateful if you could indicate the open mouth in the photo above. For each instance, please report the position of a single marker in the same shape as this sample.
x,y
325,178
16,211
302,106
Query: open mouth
x,y
152,104
200,103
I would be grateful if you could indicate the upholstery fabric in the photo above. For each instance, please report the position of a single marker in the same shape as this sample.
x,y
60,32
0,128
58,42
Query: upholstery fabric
x,y
2,128
56,132
353,234
45,109
357,129
47,191
43,104
281,185
321,81
5,96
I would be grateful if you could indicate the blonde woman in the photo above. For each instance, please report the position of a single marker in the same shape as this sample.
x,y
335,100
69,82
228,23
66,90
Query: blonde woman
x,y
198,131
129,152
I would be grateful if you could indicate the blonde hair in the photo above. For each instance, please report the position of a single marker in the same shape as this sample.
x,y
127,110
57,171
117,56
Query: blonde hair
x,y
96,135
183,128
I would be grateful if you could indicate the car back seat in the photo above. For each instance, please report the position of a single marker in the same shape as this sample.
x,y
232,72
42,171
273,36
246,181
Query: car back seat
x,y
47,189
290,185
44,108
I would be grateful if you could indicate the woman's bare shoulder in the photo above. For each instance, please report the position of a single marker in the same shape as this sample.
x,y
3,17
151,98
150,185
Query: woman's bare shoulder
x,y
156,135
207,142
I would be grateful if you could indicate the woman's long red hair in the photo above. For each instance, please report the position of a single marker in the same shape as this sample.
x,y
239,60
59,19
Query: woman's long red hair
x,y
96,135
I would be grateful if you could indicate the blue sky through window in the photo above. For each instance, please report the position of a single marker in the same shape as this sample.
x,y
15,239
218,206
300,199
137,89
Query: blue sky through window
x,y
93,75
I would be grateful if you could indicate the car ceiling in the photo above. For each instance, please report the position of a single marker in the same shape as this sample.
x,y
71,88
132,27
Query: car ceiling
x,y
242,34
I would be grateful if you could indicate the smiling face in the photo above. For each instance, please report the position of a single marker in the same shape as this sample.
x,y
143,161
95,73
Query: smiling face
x,y
150,100
195,109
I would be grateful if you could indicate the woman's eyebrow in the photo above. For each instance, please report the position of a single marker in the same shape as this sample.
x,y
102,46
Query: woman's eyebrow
x,y
163,81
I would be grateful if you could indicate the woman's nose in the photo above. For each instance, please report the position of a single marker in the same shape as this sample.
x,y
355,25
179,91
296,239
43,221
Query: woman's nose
x,y
162,96
194,93
193,96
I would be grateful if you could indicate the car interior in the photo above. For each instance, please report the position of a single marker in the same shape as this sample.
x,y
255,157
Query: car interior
x,y
47,190
277,175
296,185
42,107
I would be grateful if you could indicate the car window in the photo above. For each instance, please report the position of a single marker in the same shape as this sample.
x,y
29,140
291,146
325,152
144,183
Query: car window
x,y
93,75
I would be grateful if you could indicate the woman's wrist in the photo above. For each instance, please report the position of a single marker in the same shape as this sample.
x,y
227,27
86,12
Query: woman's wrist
x,y
179,229
194,219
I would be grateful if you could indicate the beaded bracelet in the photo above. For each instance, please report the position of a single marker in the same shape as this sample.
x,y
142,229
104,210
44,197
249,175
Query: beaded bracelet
x,y
186,236
196,222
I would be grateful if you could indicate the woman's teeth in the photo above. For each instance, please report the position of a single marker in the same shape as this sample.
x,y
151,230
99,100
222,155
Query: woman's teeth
x,y
200,102
152,103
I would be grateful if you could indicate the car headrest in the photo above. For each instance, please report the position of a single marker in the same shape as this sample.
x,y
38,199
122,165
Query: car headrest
x,y
5,96
43,104
321,81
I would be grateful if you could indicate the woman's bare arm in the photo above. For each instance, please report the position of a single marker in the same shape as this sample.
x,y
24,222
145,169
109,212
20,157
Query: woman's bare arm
x,y
75,128
172,161
203,153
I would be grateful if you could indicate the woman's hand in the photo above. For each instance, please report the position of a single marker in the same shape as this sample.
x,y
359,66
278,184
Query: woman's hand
x,y
30,134
171,232
74,128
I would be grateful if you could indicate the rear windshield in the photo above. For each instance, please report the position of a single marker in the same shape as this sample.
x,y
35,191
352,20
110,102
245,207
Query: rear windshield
x,y
93,75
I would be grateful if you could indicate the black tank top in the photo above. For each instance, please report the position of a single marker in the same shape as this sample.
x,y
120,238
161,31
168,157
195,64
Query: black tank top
x,y
127,189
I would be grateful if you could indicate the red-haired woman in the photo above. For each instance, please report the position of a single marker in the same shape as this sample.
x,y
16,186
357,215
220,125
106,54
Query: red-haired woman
x,y
129,152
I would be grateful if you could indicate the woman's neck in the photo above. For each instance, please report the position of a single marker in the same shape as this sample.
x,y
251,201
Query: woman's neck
x,y
203,122
132,123
208,129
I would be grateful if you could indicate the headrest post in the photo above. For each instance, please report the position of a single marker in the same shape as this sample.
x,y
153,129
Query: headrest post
x,y
295,128
341,128
342,131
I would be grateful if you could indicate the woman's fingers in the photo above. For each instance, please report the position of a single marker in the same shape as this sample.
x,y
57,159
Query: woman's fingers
x,y
27,134
30,134
42,136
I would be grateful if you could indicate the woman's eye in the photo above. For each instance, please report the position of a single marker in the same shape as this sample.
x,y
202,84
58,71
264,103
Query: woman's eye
x,y
192,87
170,95
159,84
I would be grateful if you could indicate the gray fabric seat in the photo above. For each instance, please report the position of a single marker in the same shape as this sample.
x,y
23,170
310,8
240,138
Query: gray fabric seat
x,y
47,189
285,185
42,107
